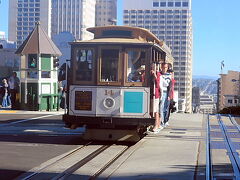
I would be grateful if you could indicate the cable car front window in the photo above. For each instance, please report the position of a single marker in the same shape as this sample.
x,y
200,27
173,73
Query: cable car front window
x,y
136,66
84,60
109,65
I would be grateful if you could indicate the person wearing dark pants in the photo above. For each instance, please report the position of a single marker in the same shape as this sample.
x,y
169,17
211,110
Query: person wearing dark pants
x,y
14,89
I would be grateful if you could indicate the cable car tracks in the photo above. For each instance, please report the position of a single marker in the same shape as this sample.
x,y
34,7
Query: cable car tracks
x,y
222,148
85,162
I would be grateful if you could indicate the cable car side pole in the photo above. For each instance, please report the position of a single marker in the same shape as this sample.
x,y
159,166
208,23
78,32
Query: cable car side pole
x,y
66,88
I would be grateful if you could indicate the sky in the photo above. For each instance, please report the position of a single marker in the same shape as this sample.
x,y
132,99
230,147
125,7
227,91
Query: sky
x,y
216,34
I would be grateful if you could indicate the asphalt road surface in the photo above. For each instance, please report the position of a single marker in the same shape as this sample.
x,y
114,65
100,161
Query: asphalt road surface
x,y
26,141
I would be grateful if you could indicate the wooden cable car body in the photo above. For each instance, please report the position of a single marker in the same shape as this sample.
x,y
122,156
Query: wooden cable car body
x,y
110,89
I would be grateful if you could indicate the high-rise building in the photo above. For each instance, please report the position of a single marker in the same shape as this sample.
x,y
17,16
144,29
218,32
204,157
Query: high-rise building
x,y
171,21
73,16
106,12
23,14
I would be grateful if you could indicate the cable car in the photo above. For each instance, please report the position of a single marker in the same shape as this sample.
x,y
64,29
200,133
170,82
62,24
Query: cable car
x,y
110,89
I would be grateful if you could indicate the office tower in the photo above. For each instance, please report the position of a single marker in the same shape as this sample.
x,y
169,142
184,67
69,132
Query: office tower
x,y
106,12
73,16
23,14
171,21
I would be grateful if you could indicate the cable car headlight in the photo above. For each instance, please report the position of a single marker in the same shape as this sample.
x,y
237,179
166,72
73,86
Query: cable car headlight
x,y
109,102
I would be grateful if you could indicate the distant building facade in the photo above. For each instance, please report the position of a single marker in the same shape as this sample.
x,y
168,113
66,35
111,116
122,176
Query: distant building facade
x,y
171,21
207,104
9,61
228,90
23,14
106,12
55,16
195,99
73,16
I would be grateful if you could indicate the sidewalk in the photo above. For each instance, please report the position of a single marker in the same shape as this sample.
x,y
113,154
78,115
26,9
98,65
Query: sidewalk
x,y
171,154
10,111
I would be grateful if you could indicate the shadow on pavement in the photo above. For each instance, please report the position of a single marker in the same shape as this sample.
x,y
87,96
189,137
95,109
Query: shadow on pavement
x,y
182,172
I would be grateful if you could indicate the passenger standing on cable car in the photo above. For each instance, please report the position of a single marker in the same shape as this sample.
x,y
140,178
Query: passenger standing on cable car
x,y
165,83
155,73
172,103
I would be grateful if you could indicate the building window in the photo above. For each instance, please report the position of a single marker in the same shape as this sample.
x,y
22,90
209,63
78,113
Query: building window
x,y
230,101
163,4
185,4
170,4
177,4
155,4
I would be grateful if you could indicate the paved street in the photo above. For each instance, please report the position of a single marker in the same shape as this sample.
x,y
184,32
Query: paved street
x,y
30,140
25,145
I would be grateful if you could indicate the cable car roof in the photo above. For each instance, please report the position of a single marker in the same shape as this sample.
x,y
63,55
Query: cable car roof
x,y
124,34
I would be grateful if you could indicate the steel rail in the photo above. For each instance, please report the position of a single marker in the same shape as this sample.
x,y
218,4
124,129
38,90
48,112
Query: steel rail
x,y
234,122
209,174
231,151
93,177
80,163
54,162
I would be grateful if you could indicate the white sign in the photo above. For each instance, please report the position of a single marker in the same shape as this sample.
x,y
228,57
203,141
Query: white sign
x,y
46,88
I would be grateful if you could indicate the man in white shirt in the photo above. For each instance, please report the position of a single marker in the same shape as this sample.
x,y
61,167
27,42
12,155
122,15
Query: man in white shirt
x,y
165,82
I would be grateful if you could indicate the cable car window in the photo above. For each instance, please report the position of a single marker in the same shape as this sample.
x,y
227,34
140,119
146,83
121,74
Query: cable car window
x,y
84,58
135,66
109,65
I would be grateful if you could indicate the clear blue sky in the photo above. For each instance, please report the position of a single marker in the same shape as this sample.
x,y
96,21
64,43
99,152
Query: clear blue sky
x,y
216,34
